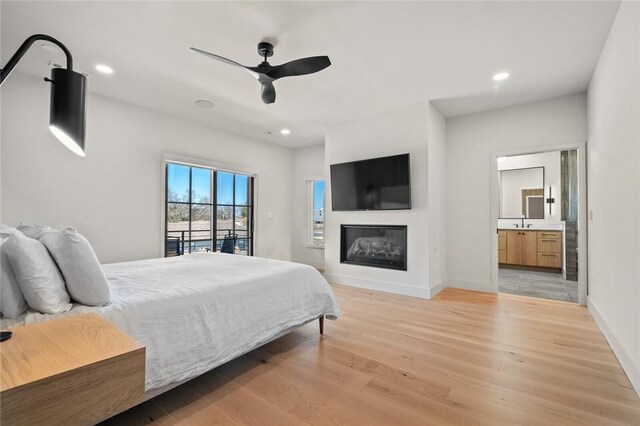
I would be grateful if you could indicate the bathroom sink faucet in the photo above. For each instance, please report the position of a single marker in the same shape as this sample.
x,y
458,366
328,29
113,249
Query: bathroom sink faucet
x,y
523,222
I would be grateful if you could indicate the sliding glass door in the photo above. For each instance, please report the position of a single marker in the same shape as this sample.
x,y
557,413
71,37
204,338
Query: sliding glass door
x,y
234,211
206,210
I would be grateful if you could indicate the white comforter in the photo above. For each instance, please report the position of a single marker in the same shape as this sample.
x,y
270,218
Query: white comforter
x,y
193,313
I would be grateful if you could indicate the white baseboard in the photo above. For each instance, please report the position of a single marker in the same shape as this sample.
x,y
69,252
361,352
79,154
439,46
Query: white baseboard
x,y
316,264
389,287
626,361
437,288
470,285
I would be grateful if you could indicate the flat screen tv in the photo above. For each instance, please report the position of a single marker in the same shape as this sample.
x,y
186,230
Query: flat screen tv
x,y
374,184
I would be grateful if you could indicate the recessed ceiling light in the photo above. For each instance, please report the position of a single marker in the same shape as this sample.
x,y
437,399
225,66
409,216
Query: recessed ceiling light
x,y
104,69
501,76
285,131
203,103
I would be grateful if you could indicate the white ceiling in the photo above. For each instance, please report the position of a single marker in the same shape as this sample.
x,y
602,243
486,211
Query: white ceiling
x,y
384,55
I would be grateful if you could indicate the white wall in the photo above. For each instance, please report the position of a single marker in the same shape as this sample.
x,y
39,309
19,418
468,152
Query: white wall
x,y
437,200
471,142
114,195
551,163
308,163
614,190
396,132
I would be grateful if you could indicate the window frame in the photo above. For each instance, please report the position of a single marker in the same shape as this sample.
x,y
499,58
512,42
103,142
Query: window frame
x,y
310,210
251,236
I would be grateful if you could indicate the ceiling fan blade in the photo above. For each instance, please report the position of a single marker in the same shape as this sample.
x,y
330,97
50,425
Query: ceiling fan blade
x,y
226,61
299,67
268,92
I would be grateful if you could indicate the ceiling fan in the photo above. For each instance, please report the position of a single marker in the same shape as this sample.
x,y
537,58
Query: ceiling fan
x,y
266,73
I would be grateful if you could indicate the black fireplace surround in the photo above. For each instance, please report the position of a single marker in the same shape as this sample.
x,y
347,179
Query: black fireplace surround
x,y
379,246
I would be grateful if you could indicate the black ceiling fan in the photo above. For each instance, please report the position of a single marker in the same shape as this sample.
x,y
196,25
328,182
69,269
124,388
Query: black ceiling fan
x,y
266,73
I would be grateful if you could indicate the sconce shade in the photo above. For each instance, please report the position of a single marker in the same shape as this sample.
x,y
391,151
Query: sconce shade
x,y
67,120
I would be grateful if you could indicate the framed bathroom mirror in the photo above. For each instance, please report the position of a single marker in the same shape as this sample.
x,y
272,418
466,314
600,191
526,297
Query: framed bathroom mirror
x,y
521,193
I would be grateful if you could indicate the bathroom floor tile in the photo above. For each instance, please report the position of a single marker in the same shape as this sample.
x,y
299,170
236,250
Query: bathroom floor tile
x,y
541,284
545,285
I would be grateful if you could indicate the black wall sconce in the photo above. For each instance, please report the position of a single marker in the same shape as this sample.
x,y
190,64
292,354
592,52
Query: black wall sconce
x,y
550,200
68,109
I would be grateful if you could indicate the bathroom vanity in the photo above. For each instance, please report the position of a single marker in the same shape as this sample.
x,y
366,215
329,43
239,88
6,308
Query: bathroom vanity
x,y
528,247
523,197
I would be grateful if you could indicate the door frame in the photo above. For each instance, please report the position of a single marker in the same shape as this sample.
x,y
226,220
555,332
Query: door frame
x,y
582,209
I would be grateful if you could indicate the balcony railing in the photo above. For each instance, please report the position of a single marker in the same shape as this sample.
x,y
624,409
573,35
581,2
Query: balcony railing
x,y
175,244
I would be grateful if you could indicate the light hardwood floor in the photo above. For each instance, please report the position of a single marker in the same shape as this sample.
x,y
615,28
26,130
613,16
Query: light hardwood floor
x,y
463,358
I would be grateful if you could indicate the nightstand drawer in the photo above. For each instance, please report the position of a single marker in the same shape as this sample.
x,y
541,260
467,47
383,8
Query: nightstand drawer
x,y
75,370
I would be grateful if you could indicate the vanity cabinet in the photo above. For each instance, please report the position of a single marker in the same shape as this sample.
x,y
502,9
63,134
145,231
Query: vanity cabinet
x,y
502,246
530,248
522,248
550,249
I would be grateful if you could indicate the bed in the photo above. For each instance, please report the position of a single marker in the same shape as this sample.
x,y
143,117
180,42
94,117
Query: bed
x,y
194,313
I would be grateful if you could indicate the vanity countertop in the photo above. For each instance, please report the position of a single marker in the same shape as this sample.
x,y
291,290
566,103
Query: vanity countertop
x,y
531,229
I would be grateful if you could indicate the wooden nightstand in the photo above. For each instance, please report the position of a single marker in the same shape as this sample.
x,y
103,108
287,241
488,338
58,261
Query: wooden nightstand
x,y
74,370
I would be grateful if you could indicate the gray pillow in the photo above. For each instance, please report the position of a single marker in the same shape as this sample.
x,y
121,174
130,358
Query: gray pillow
x,y
79,265
37,275
12,303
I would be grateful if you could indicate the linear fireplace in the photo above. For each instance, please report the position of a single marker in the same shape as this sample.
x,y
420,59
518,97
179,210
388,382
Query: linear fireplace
x,y
379,246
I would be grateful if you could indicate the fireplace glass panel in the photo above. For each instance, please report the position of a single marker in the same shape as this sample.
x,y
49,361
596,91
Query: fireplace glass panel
x,y
379,246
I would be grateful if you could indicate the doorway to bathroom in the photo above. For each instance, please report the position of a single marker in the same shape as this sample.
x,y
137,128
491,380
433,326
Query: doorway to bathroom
x,y
537,215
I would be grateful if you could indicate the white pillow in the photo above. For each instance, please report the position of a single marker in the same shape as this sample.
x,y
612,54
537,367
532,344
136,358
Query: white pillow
x,y
86,282
37,275
7,231
33,231
12,303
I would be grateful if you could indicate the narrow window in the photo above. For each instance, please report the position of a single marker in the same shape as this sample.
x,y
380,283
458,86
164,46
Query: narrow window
x,y
316,188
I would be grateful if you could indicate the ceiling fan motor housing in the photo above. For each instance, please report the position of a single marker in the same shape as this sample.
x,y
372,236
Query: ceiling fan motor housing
x,y
265,49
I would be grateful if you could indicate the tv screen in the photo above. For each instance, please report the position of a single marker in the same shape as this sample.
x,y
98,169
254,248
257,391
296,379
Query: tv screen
x,y
375,184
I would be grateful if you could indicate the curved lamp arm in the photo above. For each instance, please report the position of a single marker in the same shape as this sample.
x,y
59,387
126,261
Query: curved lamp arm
x,y
4,72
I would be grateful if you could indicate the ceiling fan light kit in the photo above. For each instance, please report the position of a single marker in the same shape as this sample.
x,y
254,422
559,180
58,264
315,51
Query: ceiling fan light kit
x,y
266,73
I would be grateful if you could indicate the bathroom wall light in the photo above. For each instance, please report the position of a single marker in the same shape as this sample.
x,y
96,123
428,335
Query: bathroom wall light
x,y
68,108
550,200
